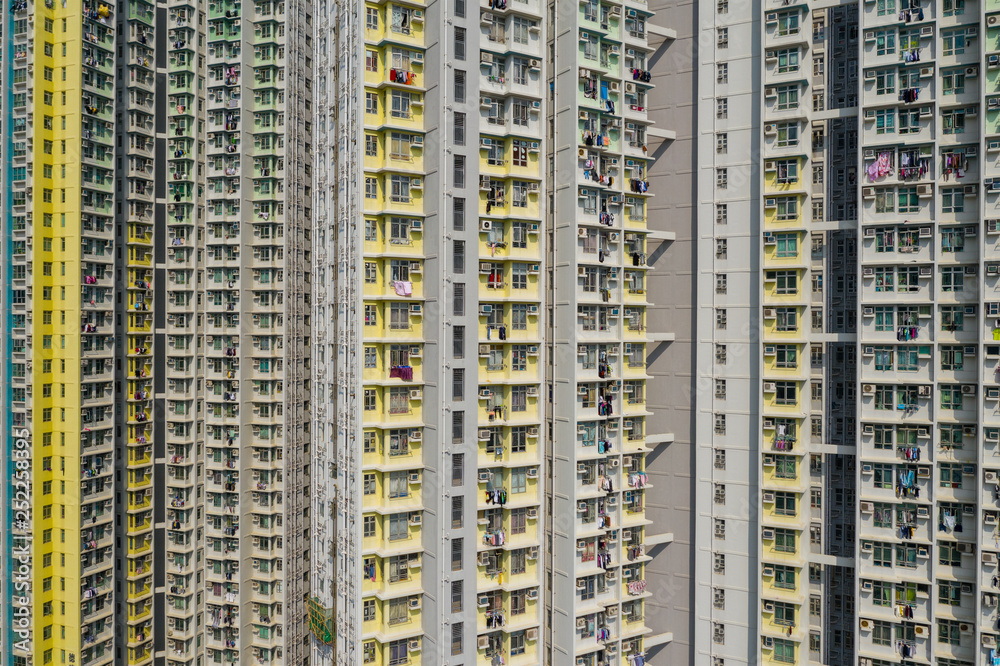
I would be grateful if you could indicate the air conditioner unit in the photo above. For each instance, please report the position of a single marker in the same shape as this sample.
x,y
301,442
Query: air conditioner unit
x,y
485,225
866,625
867,507
768,498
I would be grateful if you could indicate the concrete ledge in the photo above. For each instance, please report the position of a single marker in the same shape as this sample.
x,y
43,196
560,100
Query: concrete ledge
x,y
833,560
666,33
658,639
660,133
661,235
657,539
661,337
666,438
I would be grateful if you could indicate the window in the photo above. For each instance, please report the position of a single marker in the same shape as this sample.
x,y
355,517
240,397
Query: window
x,y
785,467
784,577
721,213
949,632
909,121
788,134
950,592
953,201
400,105
953,121
398,484
460,89
371,60
520,26
881,633
720,424
722,38
721,248
720,318
788,208
953,278
788,23
459,43
458,172
400,19
787,319
909,202
785,393
788,97
398,649
948,554
951,358
954,7
953,43
784,541
785,504
787,245
458,305
456,630
368,523
885,41
457,469
885,82
722,178
952,238
951,475
953,80
882,554
721,108
721,143
788,61
721,283
785,282
722,73
885,121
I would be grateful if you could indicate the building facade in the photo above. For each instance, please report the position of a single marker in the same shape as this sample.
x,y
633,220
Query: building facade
x,y
481,339
159,222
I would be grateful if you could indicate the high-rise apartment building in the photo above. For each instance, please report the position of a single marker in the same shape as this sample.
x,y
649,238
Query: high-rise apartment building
x,y
482,188
157,289
844,420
